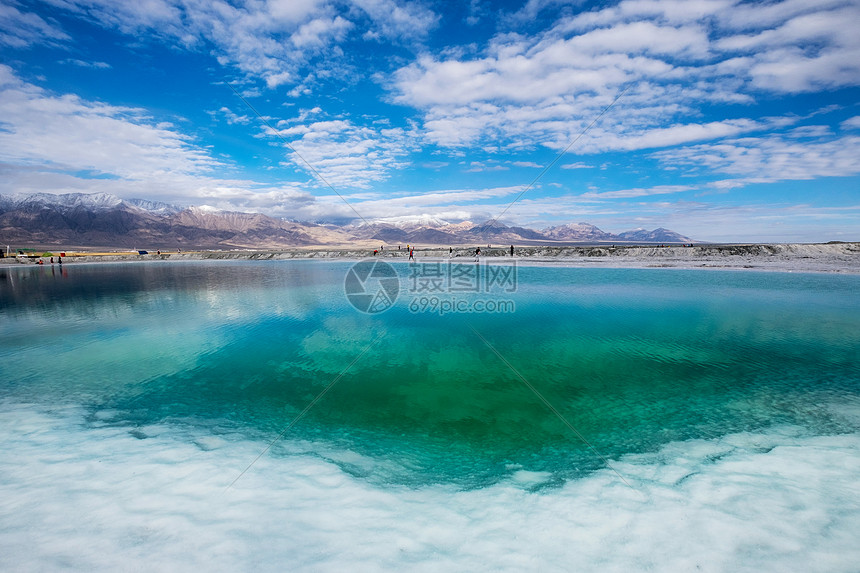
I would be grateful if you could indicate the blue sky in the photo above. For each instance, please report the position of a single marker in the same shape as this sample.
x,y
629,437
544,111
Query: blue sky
x,y
731,121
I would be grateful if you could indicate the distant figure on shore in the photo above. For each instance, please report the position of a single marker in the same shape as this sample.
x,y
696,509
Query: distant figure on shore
x,y
477,254
60,260
52,260
512,250
411,253
375,252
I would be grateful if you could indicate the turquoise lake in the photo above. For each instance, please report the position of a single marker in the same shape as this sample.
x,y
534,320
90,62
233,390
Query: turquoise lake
x,y
584,374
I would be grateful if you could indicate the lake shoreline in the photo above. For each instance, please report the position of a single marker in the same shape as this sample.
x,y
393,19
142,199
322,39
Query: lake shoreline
x,y
794,257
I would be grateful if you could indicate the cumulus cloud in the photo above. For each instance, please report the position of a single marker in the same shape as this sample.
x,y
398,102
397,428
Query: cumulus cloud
x,y
674,58
69,133
344,154
770,158
694,74
63,143
271,40
407,20
232,117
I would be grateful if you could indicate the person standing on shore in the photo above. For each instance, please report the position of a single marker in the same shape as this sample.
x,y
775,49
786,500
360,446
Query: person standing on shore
x,y
411,254
512,250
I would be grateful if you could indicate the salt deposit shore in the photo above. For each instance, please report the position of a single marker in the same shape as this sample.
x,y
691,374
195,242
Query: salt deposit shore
x,y
829,257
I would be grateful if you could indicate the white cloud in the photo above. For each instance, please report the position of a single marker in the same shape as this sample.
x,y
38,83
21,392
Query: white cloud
x,y
760,16
317,32
406,20
443,198
435,164
678,56
292,11
577,165
22,29
769,222
347,155
790,70
643,38
234,118
771,158
481,166
63,144
275,41
83,64
450,205
682,60
604,139
68,133
717,222
851,123
674,12
176,188
637,192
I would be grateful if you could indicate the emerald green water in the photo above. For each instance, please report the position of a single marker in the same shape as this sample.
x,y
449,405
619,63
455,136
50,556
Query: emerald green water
x,y
632,359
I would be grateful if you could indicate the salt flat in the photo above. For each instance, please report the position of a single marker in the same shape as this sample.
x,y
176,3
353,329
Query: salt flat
x,y
787,257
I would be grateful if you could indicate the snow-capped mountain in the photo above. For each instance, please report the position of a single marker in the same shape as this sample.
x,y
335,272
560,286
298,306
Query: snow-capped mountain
x,y
105,220
412,222
659,235
154,206
68,201
578,232
100,219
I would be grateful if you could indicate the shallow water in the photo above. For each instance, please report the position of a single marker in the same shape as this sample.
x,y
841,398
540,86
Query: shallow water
x,y
729,400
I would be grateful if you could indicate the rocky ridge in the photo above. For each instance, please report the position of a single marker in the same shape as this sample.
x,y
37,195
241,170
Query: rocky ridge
x,y
100,219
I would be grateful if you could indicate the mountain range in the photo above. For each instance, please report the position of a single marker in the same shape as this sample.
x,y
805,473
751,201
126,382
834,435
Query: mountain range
x,y
103,220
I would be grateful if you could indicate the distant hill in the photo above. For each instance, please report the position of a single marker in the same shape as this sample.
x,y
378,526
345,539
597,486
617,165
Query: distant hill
x,y
99,219
660,235
105,220
579,232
